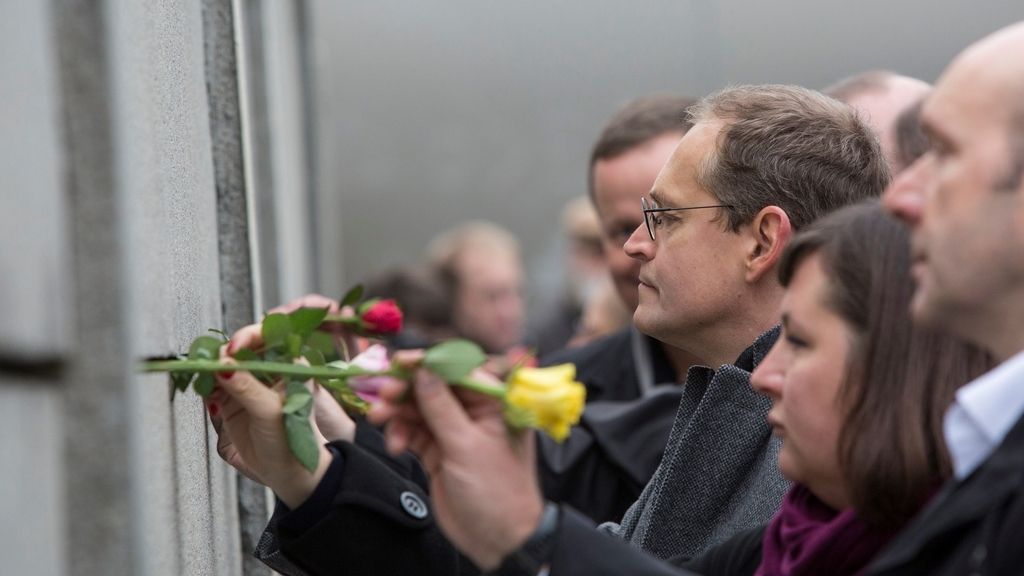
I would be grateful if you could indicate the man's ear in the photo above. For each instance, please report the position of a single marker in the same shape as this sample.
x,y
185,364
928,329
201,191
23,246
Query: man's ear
x,y
770,233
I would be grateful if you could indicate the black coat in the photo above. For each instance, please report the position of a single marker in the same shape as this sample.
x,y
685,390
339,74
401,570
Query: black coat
x,y
379,521
613,367
975,526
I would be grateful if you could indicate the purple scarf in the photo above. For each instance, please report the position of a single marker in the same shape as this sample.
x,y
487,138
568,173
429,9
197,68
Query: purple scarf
x,y
808,537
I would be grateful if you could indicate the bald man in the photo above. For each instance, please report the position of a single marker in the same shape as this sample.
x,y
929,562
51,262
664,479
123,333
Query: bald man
x,y
964,201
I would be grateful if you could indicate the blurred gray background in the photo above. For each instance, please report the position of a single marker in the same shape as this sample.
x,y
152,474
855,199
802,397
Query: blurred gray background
x,y
428,113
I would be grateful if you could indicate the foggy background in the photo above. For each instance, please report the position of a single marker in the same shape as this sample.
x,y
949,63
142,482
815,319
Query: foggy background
x,y
428,113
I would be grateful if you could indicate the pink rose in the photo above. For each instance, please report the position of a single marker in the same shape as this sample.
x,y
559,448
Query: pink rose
x,y
373,358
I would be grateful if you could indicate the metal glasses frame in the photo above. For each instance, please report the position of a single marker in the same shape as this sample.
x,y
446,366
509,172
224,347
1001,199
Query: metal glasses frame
x,y
647,210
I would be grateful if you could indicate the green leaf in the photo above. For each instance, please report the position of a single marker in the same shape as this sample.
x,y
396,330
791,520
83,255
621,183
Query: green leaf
x,y
352,296
223,335
297,398
294,345
246,355
323,343
349,400
301,439
313,356
454,360
305,320
203,384
204,348
276,327
180,382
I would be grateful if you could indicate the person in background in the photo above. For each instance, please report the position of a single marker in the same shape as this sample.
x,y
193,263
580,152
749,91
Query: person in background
x,y
881,96
603,314
585,268
911,141
481,266
425,302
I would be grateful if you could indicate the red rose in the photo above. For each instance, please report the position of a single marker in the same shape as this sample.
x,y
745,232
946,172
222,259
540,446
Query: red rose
x,y
382,317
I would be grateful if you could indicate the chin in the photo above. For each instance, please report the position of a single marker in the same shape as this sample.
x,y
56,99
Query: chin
x,y
646,324
923,309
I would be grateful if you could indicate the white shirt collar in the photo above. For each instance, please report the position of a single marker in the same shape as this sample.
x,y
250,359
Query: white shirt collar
x,y
983,413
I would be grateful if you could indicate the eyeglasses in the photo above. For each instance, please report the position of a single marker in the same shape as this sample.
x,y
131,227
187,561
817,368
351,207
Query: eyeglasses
x,y
653,221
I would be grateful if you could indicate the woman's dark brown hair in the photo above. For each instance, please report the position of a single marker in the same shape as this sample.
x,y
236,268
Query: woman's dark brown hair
x,y
901,377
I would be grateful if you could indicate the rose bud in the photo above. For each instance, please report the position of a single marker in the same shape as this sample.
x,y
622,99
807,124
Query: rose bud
x,y
381,317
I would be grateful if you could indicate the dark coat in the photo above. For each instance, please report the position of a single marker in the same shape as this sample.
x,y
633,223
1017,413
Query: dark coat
x,y
975,526
737,556
379,521
613,367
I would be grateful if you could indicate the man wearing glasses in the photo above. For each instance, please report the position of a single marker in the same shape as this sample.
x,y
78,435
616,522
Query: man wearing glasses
x,y
759,163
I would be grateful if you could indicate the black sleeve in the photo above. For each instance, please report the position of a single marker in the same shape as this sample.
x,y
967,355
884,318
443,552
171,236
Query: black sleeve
x,y
582,550
605,463
737,556
378,523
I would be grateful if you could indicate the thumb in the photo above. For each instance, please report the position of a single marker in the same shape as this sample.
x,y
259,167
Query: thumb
x,y
251,394
442,413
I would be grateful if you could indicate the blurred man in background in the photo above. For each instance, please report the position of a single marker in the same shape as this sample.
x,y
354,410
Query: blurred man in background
x,y
481,264
880,96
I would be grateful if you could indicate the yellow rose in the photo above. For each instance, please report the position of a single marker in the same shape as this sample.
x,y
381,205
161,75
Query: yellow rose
x,y
546,398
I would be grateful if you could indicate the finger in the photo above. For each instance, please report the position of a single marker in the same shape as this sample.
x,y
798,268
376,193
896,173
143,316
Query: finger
x,y
307,301
393,390
250,337
430,457
408,359
396,437
251,395
442,413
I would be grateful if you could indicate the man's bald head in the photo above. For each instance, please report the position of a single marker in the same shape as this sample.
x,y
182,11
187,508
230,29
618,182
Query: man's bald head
x,y
880,97
984,72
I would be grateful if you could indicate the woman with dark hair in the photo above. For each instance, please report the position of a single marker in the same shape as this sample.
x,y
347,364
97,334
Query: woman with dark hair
x,y
858,395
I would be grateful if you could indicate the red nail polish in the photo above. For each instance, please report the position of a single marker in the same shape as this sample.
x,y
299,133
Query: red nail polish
x,y
225,375
213,408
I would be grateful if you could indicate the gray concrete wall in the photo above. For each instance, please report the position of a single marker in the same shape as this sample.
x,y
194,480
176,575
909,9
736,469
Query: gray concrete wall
x,y
124,233
433,112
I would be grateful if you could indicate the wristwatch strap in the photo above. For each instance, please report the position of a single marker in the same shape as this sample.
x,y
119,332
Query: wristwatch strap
x,y
534,554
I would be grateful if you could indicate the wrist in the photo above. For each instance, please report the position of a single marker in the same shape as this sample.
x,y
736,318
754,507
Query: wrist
x,y
300,484
534,552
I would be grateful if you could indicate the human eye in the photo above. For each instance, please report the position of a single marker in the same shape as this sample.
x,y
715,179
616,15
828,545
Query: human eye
x,y
793,340
620,235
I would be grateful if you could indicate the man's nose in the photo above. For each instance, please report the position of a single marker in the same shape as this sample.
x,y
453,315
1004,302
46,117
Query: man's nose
x,y
904,197
639,245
